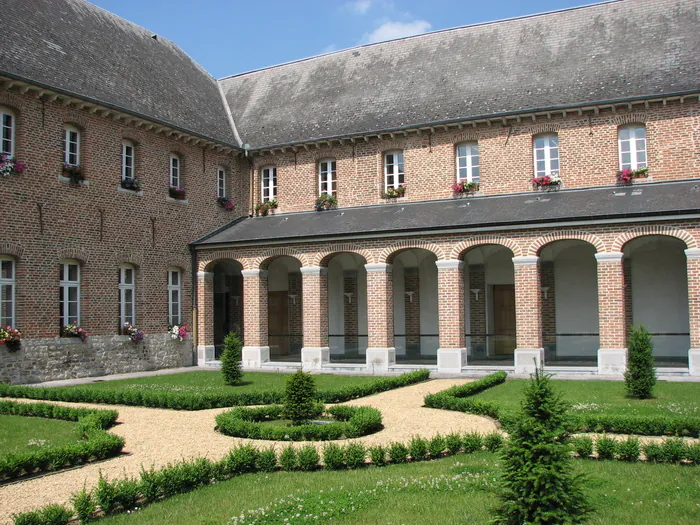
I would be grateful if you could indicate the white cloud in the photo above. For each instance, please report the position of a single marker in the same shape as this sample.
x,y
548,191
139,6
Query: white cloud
x,y
390,30
359,7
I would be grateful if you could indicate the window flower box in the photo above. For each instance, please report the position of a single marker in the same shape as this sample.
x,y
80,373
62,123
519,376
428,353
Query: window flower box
x,y
547,182
464,188
73,330
11,338
131,184
177,193
11,166
264,208
73,172
394,193
627,176
325,202
225,203
134,333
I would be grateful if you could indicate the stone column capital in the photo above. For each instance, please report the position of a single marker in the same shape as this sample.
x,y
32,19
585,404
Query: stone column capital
x,y
262,274
609,257
526,260
205,276
378,267
692,253
450,264
313,270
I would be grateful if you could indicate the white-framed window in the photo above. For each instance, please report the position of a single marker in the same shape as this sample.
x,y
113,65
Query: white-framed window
x,y
221,182
175,171
546,154
127,295
69,298
71,146
467,158
174,296
326,177
632,145
393,169
7,291
7,142
268,183
128,158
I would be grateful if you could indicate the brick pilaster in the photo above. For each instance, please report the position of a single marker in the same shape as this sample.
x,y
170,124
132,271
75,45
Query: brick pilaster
x,y
351,321
315,306
411,299
205,307
451,303
693,265
549,323
255,307
380,306
611,300
528,303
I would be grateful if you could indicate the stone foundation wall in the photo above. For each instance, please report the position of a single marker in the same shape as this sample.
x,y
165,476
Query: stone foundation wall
x,y
67,357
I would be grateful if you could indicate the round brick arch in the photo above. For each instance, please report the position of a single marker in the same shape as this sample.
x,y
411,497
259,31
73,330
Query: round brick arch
x,y
483,240
323,258
206,263
646,231
388,253
266,258
543,241
13,249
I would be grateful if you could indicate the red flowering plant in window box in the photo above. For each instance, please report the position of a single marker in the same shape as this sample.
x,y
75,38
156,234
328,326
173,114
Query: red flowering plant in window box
x,y
176,192
465,188
627,175
74,172
73,330
10,166
550,182
225,203
131,184
11,338
134,333
325,202
263,208
394,193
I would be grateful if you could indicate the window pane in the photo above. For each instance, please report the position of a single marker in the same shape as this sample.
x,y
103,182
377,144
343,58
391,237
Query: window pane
x,y
73,293
72,312
540,165
624,134
641,132
128,276
641,157
475,174
539,154
174,278
6,270
554,140
539,143
73,272
333,166
555,165
6,292
462,162
624,146
389,159
641,144
626,159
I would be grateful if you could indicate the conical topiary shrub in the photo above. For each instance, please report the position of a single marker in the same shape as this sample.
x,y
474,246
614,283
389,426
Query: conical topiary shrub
x,y
640,376
231,366
300,404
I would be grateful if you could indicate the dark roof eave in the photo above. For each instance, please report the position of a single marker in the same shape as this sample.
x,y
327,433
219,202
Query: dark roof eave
x,y
671,213
109,105
479,117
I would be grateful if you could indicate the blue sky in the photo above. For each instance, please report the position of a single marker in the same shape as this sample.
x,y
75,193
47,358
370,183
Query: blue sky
x,y
233,36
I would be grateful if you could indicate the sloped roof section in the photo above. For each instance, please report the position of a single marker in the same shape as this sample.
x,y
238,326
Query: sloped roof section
x,y
599,53
498,211
83,50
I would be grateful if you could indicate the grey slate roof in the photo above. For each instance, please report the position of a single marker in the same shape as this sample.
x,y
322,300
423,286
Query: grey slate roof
x,y
78,48
605,52
648,200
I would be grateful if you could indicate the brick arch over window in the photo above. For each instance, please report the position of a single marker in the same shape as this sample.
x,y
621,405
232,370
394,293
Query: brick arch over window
x,y
76,119
207,262
387,254
482,240
79,254
133,258
266,258
324,257
13,102
543,241
15,250
177,262
643,231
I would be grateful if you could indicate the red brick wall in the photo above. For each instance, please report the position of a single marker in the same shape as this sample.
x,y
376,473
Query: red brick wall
x,y
350,309
477,307
450,307
549,322
412,305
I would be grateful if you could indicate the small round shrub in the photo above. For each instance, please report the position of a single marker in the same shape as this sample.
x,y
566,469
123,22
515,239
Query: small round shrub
x,y
653,452
241,459
453,442
84,505
355,454
289,459
674,450
436,446
267,460
377,454
300,403
472,442
333,457
308,458
418,448
629,449
606,447
693,453
583,446
398,453
493,441
231,366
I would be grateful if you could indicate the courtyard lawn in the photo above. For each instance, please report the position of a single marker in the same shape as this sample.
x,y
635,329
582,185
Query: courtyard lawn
x,y
671,400
454,490
31,434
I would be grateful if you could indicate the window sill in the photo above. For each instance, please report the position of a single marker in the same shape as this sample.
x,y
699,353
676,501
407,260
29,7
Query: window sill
x,y
130,192
178,201
68,180
394,199
467,195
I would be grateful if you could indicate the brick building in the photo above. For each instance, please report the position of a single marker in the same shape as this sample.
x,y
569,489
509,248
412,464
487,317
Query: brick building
x,y
407,267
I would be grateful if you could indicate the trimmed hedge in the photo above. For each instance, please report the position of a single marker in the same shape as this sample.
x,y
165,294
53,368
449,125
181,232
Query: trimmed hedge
x,y
459,398
202,400
95,443
250,423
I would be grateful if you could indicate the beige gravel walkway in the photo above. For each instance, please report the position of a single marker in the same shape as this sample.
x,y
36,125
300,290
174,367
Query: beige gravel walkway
x,y
157,437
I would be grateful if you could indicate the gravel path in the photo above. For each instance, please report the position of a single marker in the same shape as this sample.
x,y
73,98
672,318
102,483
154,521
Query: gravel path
x,y
157,437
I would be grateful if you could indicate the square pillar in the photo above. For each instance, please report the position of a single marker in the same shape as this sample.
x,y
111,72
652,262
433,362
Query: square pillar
x,y
255,348
314,289
381,353
452,354
529,351
693,266
612,355
205,317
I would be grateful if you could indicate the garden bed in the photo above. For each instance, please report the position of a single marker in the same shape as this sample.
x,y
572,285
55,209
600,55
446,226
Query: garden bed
x,y
342,422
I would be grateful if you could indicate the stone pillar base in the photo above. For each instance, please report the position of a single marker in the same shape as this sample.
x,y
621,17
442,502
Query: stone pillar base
x,y
255,356
451,360
612,361
315,358
205,353
527,360
380,359
694,361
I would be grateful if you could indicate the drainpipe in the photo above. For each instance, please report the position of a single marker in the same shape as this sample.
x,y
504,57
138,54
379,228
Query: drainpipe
x,y
195,319
246,148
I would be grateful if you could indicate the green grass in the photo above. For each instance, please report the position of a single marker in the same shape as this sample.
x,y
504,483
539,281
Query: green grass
x,y
672,400
29,434
454,490
212,382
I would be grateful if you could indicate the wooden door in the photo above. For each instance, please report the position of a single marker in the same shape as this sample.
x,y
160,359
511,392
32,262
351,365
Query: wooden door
x,y
278,323
504,318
